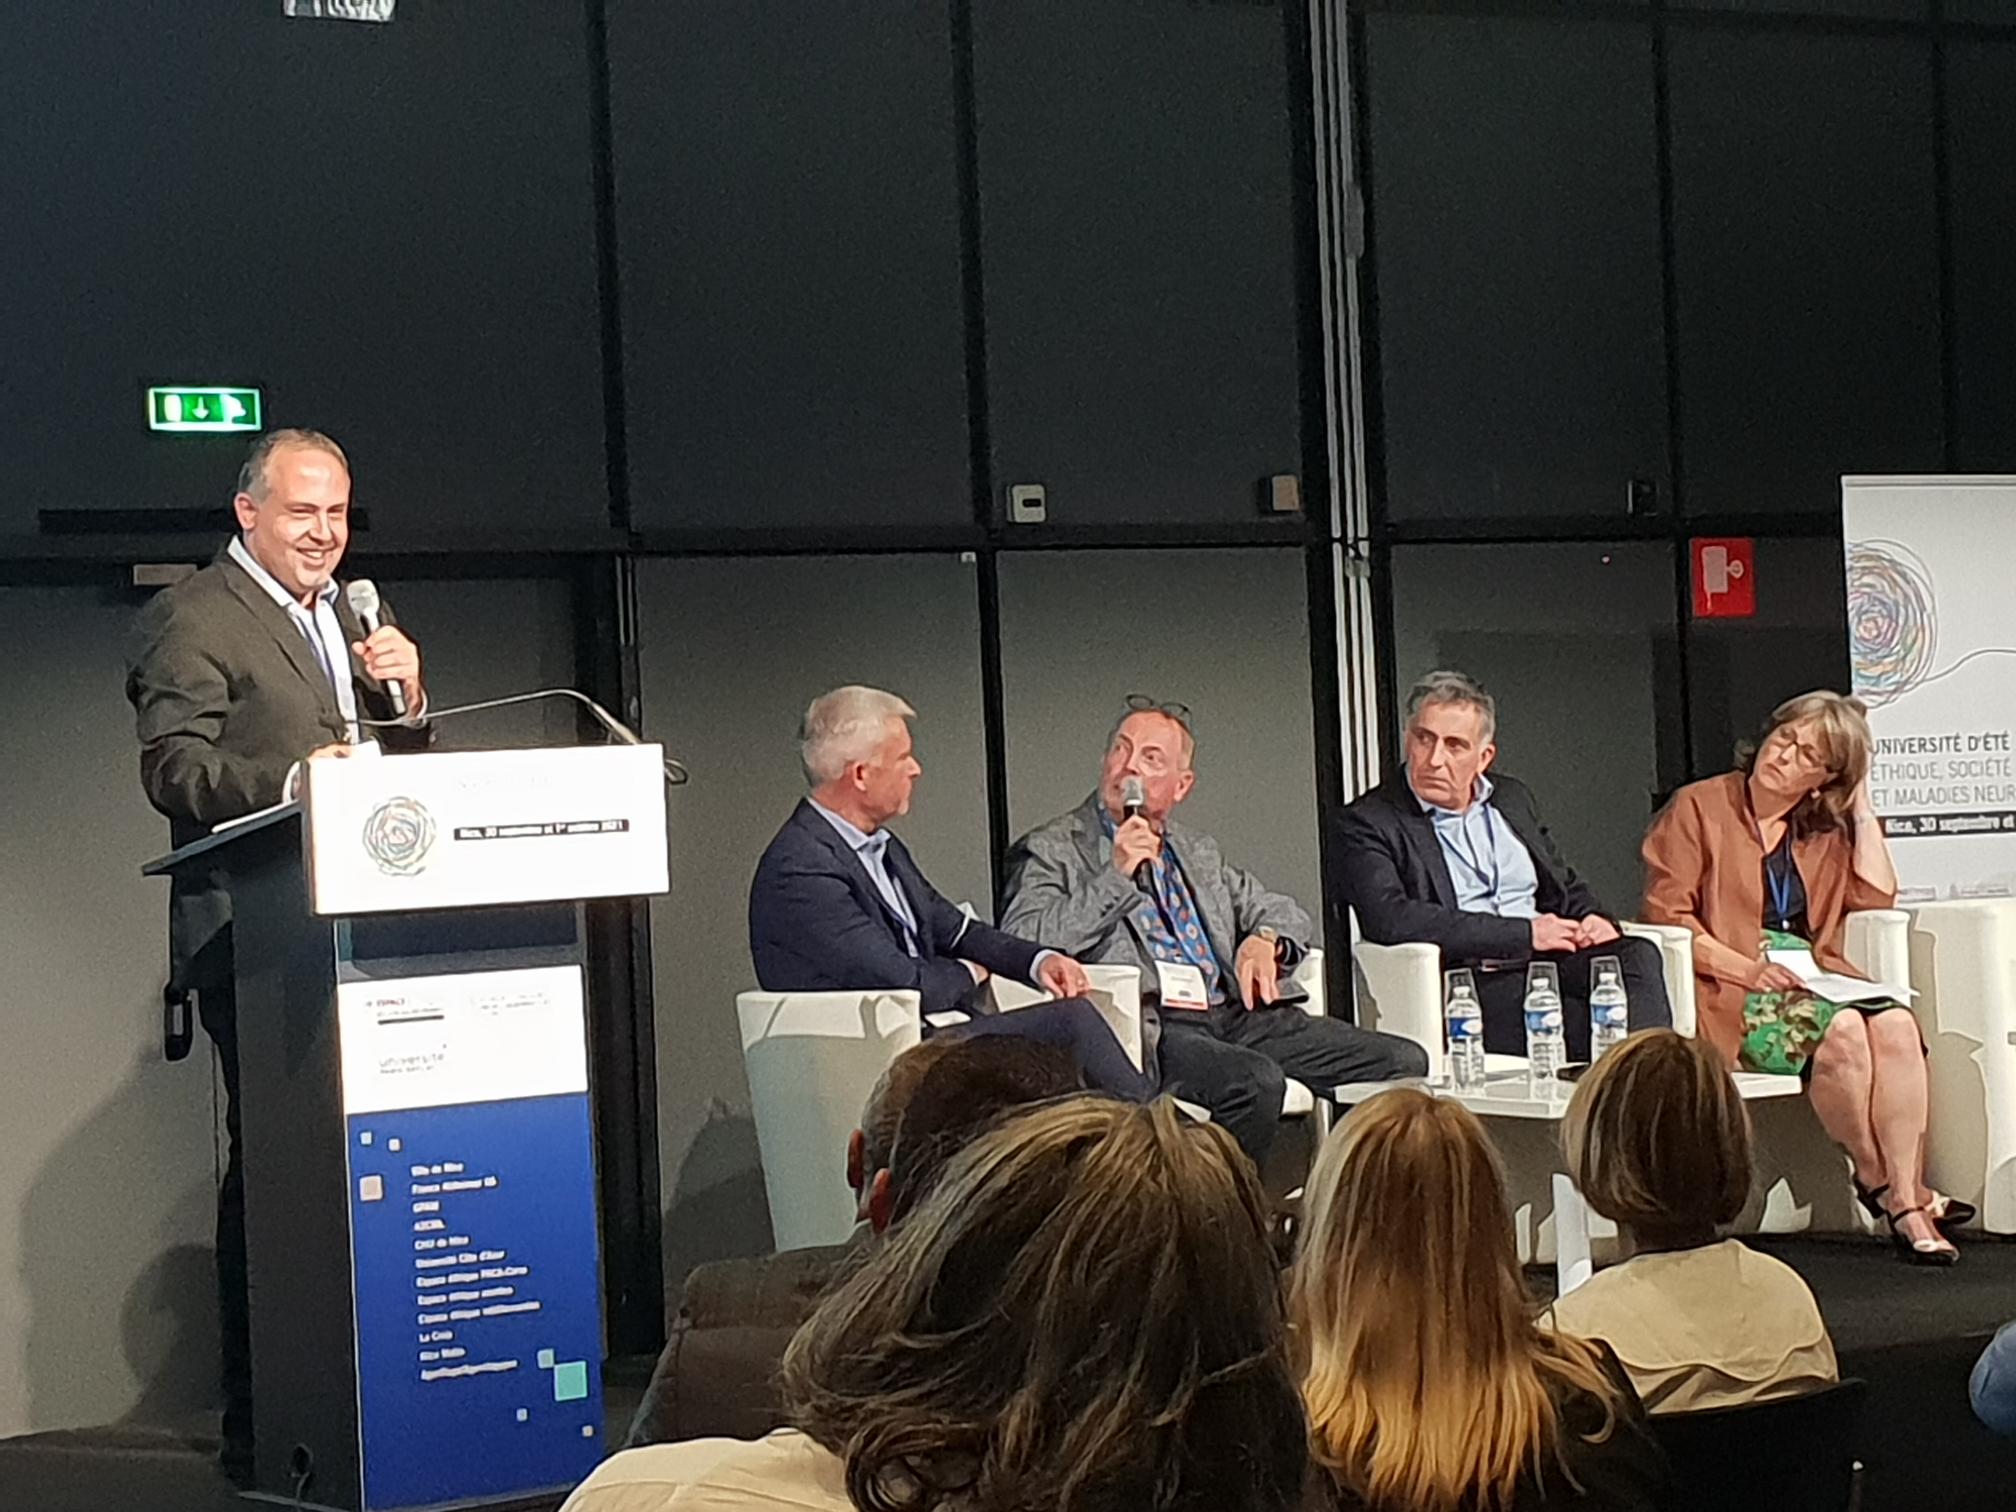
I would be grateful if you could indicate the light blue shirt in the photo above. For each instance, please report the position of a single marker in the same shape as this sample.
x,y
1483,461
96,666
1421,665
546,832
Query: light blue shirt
x,y
874,853
319,627
1489,865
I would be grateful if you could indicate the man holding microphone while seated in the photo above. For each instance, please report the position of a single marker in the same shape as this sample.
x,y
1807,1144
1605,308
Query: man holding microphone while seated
x,y
1120,880
240,673
1767,862
1448,852
837,903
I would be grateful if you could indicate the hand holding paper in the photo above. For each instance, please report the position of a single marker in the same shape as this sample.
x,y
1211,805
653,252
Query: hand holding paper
x,y
1833,986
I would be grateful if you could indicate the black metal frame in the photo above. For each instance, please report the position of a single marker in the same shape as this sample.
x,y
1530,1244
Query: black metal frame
x,y
1670,523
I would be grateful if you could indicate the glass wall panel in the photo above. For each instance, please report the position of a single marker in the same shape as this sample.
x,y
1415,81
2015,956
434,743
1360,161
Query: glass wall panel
x,y
390,229
1515,245
1576,642
1806,273
788,228
1139,246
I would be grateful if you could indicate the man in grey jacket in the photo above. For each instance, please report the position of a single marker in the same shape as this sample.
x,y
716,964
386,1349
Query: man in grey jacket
x,y
1124,883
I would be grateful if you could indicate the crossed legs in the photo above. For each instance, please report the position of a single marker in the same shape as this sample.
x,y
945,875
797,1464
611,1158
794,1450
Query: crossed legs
x,y
1869,1091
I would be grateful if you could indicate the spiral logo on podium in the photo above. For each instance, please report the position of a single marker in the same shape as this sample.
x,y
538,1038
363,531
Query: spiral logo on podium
x,y
398,835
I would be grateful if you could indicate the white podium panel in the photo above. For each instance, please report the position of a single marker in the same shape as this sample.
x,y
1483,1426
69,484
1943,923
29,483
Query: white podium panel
x,y
473,828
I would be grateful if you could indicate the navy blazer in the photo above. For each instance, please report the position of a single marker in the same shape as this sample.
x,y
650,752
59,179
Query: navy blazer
x,y
1390,868
817,923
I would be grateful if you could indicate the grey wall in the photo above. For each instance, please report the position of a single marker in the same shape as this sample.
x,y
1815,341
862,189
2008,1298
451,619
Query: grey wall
x,y
106,1292
731,651
1571,640
1223,631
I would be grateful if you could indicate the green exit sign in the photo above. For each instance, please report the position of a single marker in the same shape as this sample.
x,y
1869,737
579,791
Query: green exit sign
x,y
203,409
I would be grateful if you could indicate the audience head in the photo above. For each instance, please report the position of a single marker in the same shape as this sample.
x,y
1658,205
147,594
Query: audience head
x,y
936,1099
1429,1384
1452,727
1083,1313
871,1149
1657,1139
1814,753
1154,742
855,747
293,505
974,1085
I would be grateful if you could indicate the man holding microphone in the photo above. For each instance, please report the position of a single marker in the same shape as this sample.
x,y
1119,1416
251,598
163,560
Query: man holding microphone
x,y
240,673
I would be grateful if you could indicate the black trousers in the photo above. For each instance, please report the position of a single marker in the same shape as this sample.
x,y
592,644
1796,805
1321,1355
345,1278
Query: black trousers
x,y
1503,994
1236,1063
212,974
1072,1025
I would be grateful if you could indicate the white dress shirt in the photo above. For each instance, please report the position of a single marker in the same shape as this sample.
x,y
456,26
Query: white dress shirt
x,y
319,627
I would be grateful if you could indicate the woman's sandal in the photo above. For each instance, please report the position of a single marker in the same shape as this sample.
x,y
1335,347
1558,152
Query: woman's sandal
x,y
1871,1198
1920,1251
1951,1212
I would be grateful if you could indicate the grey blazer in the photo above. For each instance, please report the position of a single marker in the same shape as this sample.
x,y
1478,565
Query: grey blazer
x,y
1063,890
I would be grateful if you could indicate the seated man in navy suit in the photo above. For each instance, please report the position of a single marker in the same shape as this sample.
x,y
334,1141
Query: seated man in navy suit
x,y
837,904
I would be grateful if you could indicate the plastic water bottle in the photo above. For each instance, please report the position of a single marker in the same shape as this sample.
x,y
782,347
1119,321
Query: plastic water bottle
x,y
1546,1044
1464,1017
1609,1006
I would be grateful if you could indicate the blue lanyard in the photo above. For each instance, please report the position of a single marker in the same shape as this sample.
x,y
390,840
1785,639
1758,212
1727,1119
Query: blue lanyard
x,y
1778,881
1781,888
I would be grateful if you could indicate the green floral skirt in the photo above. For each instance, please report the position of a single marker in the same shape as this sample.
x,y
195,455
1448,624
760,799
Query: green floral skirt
x,y
1781,1030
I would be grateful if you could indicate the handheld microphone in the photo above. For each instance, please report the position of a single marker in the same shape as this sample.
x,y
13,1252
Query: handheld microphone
x,y
363,597
1133,799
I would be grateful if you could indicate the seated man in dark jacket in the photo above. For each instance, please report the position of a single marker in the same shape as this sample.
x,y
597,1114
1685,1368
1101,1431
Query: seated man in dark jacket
x,y
1443,853
837,904
717,1374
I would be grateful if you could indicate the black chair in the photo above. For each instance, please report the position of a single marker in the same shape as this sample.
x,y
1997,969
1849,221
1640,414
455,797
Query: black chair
x,y
1794,1455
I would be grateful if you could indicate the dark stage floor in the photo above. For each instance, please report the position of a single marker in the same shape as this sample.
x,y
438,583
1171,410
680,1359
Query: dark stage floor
x,y
1912,1334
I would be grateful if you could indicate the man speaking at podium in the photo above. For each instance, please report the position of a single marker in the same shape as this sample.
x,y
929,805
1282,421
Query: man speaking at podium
x,y
240,673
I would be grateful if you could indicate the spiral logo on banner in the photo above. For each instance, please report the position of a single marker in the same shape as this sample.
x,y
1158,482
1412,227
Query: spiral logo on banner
x,y
398,835
1893,623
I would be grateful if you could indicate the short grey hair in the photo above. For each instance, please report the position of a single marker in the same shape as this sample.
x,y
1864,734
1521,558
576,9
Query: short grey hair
x,y
252,476
844,726
1180,721
1446,687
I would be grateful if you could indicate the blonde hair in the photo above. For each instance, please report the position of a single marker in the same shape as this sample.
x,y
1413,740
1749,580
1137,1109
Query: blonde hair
x,y
1841,730
1082,1314
1657,1139
1429,1384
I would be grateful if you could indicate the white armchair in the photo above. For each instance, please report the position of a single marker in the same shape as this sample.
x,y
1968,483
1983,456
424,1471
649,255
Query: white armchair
x,y
1962,959
812,1058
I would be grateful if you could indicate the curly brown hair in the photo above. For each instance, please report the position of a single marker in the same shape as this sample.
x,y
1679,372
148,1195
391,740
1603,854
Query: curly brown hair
x,y
1083,1316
